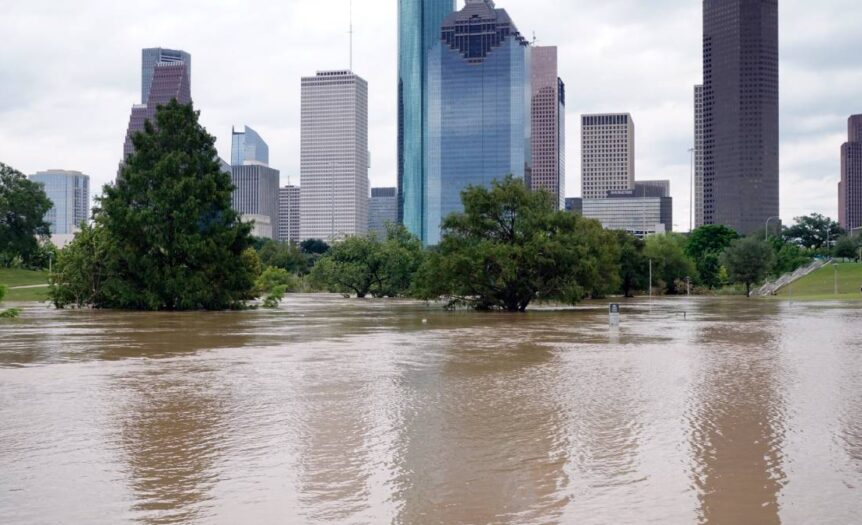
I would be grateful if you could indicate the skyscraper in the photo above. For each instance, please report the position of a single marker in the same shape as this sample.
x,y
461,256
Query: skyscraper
x,y
248,146
478,113
168,80
419,24
256,194
850,187
69,192
549,125
698,156
157,55
334,157
607,154
288,214
740,113
382,210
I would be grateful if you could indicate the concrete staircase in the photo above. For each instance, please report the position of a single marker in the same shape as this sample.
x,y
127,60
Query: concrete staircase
x,y
774,287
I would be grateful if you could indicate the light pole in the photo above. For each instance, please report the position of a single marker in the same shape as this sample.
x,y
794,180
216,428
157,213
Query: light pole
x,y
691,199
767,225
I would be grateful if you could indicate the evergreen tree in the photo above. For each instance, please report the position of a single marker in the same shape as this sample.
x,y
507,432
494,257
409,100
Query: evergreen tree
x,y
167,234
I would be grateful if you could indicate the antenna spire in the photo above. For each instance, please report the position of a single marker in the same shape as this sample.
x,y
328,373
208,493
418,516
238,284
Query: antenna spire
x,y
351,35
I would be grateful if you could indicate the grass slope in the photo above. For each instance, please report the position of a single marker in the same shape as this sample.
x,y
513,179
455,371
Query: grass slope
x,y
13,278
820,285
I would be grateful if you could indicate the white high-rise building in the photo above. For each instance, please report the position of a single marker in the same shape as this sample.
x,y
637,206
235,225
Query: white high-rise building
x,y
69,192
698,156
288,214
334,156
607,154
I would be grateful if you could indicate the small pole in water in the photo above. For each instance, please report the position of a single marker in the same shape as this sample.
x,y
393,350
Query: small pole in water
x,y
614,311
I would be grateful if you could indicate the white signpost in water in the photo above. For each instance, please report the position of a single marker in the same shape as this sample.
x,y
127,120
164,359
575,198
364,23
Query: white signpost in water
x,y
614,311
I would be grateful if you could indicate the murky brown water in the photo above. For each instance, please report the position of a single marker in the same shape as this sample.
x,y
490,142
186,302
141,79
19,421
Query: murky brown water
x,y
336,411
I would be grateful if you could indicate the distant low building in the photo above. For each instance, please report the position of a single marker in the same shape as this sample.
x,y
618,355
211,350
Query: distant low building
x,y
69,192
256,193
575,205
383,210
624,210
261,225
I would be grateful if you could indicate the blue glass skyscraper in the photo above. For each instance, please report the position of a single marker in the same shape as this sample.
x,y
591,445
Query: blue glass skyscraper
x,y
479,109
248,146
419,24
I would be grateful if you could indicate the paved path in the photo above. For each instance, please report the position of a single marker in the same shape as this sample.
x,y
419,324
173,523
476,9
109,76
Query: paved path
x,y
29,287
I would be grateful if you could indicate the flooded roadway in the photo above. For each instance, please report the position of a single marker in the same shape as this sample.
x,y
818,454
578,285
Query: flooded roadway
x,y
343,411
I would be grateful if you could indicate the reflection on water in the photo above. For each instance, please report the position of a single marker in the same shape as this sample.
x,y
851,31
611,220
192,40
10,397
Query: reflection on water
x,y
338,411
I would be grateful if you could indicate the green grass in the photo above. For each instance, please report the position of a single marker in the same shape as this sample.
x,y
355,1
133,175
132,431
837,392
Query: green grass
x,y
820,285
13,278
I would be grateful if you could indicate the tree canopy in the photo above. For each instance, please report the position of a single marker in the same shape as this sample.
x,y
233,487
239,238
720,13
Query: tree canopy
x,y
633,263
671,266
7,314
23,205
813,231
365,265
511,247
748,261
165,236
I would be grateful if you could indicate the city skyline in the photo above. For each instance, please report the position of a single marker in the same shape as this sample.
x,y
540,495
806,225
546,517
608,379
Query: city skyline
x,y
643,59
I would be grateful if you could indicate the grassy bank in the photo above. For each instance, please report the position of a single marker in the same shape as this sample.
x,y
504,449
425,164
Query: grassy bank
x,y
13,279
820,285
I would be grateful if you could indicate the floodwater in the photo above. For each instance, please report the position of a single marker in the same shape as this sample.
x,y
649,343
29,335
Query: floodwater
x,y
715,411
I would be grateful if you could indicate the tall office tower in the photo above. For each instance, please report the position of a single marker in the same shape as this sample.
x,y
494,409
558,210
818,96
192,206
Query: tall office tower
x,y
607,154
334,158
549,125
850,187
382,210
248,146
69,192
478,121
157,55
170,80
740,113
288,214
698,156
419,24
256,195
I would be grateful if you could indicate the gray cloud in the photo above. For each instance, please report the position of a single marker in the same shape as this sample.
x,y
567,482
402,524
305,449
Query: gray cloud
x,y
69,72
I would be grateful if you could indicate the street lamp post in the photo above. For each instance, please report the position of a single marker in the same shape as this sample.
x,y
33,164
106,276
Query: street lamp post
x,y
767,225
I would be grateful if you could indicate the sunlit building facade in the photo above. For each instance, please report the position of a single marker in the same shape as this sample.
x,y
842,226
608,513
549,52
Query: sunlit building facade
x,y
479,109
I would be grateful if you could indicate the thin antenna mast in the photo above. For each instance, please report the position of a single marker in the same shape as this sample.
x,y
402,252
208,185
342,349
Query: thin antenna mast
x,y
351,35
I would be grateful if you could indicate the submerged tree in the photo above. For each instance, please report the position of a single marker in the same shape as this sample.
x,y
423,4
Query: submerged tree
x,y
634,265
511,247
748,261
670,263
166,236
7,314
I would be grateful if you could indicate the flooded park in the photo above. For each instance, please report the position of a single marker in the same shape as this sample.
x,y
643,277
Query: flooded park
x,y
337,411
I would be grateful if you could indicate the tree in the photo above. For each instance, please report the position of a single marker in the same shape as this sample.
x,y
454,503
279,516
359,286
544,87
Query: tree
x,y
748,261
788,256
846,248
314,246
81,270
670,263
23,205
166,235
813,231
705,246
273,278
285,256
7,314
363,265
511,247
634,266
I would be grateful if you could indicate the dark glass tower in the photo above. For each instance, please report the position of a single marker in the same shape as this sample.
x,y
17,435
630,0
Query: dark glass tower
x,y
850,187
418,30
478,115
740,110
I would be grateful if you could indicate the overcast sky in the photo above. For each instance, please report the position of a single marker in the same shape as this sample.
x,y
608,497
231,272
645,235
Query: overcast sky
x,y
70,71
